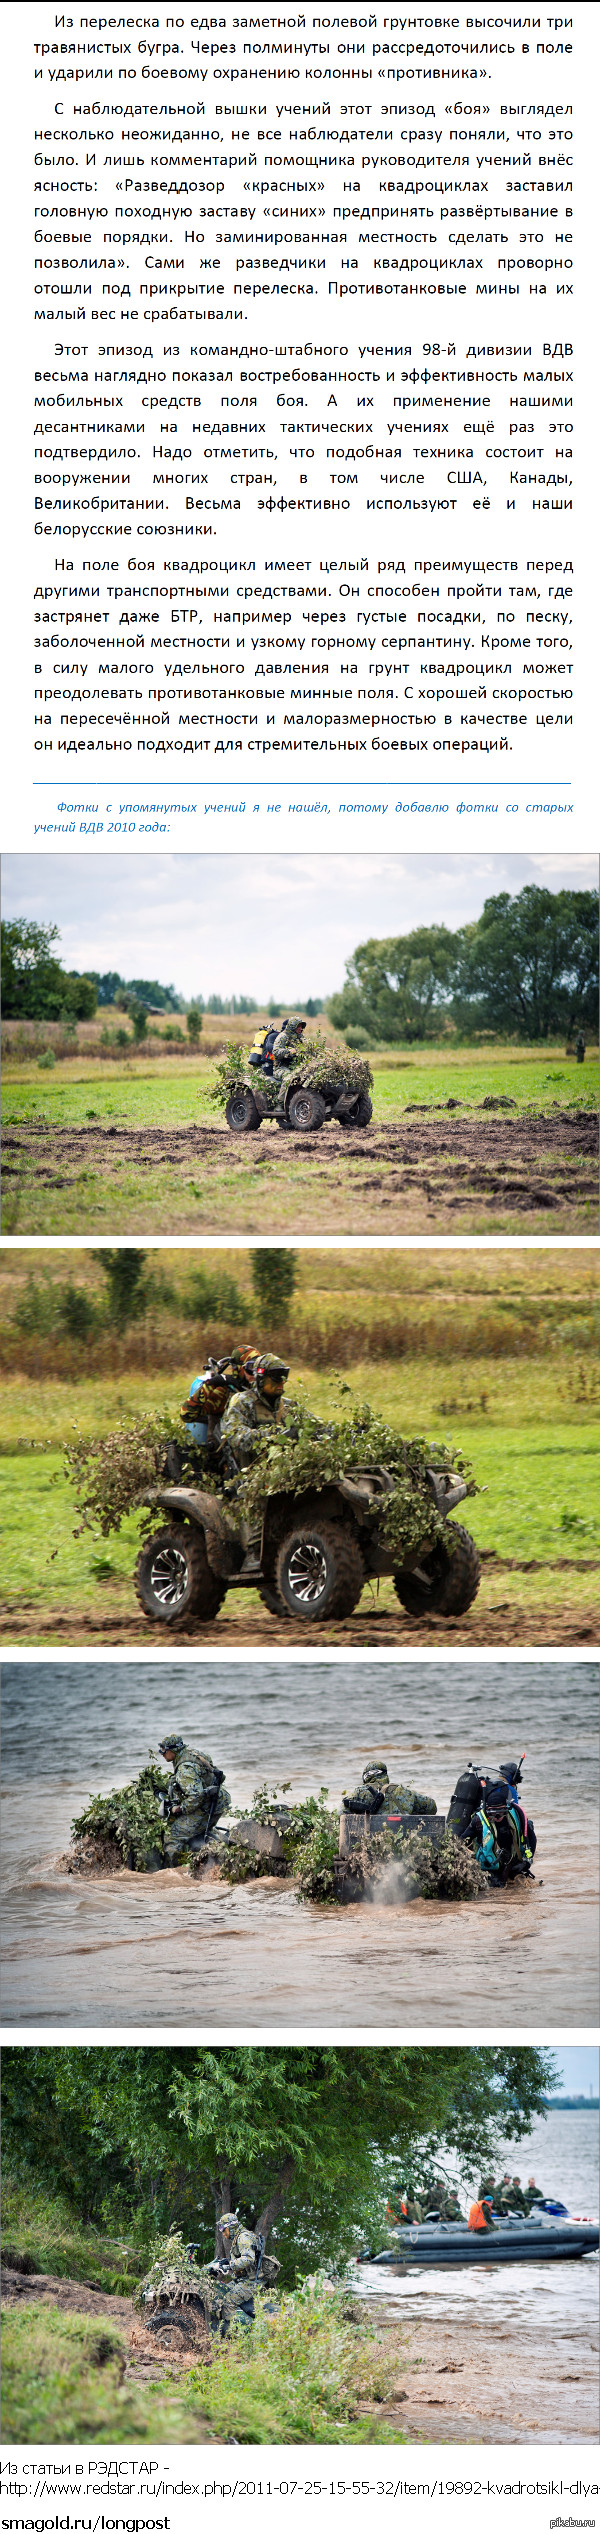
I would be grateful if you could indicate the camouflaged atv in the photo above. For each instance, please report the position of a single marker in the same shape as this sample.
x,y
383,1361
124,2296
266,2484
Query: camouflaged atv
x,y
323,1088
180,2296
313,1551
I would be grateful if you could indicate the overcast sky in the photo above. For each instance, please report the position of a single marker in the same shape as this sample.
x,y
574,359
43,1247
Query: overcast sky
x,y
578,2067
257,924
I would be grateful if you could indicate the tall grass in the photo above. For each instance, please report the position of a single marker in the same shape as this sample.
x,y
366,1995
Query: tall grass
x,y
62,2381
339,1334
302,2376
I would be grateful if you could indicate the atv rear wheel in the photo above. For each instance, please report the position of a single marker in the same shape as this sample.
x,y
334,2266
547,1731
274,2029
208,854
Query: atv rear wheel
x,y
454,1580
320,1571
306,1112
173,1579
241,1112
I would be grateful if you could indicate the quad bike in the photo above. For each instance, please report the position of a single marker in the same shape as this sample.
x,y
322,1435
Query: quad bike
x,y
300,1104
311,1555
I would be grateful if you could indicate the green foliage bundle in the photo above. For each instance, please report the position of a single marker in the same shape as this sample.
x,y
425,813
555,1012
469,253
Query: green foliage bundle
x,y
231,1069
129,1815
447,1872
309,1838
110,1472
302,1454
331,1069
173,2263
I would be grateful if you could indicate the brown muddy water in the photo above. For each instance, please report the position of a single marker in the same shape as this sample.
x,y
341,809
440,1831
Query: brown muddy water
x,y
506,2355
159,1949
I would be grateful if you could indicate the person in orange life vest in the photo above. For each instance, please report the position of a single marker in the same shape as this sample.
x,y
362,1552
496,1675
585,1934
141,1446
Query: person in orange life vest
x,y
481,2220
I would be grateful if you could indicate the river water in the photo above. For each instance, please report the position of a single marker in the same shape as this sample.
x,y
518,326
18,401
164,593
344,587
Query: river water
x,y
508,2353
161,1950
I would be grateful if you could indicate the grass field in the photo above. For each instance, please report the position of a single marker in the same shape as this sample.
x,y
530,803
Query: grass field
x,y
495,1351
67,1177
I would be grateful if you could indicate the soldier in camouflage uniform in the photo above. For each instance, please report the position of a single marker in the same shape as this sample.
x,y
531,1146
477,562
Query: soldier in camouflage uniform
x,y
286,1052
254,1410
195,1797
376,1795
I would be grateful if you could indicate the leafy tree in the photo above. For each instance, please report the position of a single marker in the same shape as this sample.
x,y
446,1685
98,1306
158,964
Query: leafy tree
x,y
398,988
274,1277
194,1024
35,986
530,964
527,968
298,2136
128,1292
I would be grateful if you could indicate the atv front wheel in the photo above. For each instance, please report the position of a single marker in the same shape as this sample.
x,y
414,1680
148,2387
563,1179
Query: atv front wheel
x,y
173,1579
320,1572
454,1581
242,1113
172,2327
306,1112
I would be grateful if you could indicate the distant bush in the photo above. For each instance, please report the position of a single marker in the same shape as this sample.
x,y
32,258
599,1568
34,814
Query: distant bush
x,y
212,1296
274,1277
47,1061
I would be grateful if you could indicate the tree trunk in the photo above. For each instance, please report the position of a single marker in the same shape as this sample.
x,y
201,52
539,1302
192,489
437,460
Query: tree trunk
x,y
273,2206
222,2190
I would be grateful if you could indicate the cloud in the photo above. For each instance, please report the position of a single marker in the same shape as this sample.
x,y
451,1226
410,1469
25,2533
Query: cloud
x,y
260,924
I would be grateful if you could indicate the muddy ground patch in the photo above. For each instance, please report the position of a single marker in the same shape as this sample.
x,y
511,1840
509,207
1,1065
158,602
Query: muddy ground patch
x,y
518,1604
433,1170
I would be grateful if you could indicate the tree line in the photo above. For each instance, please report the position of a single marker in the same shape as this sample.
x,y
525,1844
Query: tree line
x,y
298,2139
527,968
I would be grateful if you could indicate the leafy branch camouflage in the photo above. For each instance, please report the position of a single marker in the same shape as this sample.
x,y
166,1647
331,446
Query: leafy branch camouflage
x,y
173,2273
303,1455
447,1872
130,1815
110,1472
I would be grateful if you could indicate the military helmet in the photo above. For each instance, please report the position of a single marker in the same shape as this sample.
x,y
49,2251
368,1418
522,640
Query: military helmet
x,y
172,1742
270,1372
374,1770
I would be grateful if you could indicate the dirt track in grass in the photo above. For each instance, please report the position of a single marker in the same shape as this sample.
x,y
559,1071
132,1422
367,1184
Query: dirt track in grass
x,y
434,1170
506,1612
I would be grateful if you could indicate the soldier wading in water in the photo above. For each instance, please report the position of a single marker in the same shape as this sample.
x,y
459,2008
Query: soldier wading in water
x,y
195,1798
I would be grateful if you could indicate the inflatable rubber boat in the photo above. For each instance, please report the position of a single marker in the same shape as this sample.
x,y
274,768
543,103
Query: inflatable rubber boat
x,y
547,2237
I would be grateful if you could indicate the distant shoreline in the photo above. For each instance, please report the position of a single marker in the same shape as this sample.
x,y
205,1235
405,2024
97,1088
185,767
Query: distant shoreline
x,y
572,2103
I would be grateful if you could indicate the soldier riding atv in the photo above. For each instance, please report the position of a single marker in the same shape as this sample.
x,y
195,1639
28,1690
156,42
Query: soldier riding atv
x,y
180,2294
300,1088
